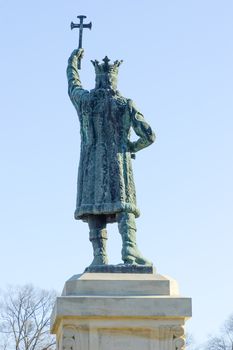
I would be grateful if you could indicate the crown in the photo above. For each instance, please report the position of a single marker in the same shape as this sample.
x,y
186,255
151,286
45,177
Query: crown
x,y
103,68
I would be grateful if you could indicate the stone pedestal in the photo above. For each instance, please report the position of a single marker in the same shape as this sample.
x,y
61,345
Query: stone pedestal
x,y
120,311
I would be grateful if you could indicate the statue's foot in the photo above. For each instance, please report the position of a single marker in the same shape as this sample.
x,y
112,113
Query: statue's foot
x,y
132,256
100,260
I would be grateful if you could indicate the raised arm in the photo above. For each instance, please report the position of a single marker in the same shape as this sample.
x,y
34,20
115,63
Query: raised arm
x,y
141,128
75,89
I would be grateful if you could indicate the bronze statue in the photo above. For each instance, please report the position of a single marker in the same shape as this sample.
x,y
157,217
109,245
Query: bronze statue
x,y
105,189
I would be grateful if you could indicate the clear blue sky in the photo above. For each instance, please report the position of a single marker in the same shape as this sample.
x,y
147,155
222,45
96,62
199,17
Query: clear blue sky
x,y
178,69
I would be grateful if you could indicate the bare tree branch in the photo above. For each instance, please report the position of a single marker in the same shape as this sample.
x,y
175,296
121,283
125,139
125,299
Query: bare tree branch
x,y
24,318
225,339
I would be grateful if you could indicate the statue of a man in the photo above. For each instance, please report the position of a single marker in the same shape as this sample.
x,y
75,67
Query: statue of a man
x,y
105,189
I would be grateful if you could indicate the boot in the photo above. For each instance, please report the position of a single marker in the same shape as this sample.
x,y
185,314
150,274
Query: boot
x,y
127,228
98,239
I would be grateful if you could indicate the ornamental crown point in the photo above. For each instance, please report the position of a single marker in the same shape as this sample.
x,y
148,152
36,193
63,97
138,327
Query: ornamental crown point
x,y
106,67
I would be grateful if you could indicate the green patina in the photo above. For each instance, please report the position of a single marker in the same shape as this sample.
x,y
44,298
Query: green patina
x,y
105,189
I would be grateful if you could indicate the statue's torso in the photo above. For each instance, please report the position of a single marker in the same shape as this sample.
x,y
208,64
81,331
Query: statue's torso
x,y
105,181
105,119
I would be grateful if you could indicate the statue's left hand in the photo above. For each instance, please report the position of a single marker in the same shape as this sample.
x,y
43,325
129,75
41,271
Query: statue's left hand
x,y
133,155
131,149
130,146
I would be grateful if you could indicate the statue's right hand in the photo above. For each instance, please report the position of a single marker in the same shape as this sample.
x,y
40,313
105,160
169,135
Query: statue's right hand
x,y
78,53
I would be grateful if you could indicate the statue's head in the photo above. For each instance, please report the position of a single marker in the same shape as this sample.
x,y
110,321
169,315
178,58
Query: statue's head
x,y
106,74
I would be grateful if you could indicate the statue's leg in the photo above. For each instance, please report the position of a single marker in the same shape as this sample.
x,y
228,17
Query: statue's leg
x,y
98,237
127,228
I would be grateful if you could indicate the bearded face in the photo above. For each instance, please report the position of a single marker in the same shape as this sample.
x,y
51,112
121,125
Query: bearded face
x,y
106,80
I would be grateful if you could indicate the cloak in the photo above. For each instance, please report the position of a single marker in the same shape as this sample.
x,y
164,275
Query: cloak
x,y
105,177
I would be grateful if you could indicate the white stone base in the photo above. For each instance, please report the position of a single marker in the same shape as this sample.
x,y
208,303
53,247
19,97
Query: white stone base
x,y
107,311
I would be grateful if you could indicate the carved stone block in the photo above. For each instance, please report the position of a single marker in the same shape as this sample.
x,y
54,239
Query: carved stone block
x,y
110,318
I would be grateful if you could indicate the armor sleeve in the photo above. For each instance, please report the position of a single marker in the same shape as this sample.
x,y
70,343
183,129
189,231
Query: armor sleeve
x,y
141,128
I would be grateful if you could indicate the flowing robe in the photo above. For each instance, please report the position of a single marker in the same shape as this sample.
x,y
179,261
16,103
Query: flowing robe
x,y
105,177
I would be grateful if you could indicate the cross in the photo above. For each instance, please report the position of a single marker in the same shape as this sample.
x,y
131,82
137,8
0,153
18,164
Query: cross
x,y
81,25
106,60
